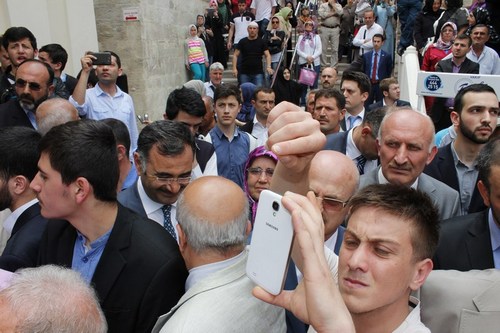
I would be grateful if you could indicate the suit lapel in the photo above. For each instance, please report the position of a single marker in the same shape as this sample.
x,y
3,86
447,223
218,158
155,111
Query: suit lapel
x,y
342,124
112,260
447,168
26,216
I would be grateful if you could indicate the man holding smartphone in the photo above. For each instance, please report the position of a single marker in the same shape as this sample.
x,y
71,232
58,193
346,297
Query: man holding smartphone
x,y
106,99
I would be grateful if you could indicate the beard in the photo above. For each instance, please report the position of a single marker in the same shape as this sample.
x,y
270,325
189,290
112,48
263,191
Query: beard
x,y
470,134
5,197
27,102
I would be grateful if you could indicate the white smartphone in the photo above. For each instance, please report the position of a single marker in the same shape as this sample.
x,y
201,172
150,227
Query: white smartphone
x,y
271,243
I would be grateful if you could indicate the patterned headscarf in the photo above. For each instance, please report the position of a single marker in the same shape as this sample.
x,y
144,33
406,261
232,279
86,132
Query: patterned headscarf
x,y
440,44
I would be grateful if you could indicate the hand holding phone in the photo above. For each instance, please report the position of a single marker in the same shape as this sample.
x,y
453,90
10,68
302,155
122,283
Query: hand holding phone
x,y
101,58
271,243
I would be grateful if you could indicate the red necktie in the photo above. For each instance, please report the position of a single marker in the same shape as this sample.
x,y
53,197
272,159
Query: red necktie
x,y
374,68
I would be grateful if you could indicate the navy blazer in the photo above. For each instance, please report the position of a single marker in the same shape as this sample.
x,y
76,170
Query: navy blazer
x,y
140,275
130,198
11,114
384,65
443,169
380,104
21,249
465,243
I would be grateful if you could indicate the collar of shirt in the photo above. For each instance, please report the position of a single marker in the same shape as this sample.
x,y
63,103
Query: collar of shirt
x,y
10,221
494,231
330,242
412,322
149,205
63,77
361,114
351,150
383,180
201,272
99,91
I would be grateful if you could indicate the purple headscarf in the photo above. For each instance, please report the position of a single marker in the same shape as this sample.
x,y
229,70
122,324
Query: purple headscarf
x,y
257,152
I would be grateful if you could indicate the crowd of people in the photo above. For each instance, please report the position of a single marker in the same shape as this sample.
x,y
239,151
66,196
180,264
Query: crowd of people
x,y
120,230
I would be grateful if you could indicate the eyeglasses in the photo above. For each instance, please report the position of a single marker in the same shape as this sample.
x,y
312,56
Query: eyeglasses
x,y
275,22
309,23
331,203
183,181
258,171
20,83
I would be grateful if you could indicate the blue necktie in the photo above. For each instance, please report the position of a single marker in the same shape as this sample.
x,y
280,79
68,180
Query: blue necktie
x,y
167,221
352,120
360,164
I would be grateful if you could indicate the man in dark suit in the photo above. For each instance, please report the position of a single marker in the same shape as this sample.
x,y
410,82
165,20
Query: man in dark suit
x,y
377,65
458,63
133,264
391,93
33,86
56,57
471,241
475,115
18,166
356,88
359,143
164,161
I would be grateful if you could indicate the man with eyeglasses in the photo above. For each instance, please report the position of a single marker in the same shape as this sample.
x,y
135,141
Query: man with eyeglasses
x,y
164,161
33,85
131,261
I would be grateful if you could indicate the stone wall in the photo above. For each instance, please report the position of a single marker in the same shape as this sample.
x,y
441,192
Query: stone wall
x,y
151,49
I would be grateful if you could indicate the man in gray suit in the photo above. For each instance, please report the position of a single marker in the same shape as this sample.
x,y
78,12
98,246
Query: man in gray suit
x,y
164,161
406,146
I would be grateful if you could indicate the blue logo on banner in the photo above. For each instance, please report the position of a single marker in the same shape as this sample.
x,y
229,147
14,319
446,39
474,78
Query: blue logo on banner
x,y
433,82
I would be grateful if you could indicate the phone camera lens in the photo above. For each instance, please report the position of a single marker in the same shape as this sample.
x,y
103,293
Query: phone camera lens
x,y
276,206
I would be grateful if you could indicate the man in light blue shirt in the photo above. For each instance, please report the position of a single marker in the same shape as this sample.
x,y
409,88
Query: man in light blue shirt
x,y
106,99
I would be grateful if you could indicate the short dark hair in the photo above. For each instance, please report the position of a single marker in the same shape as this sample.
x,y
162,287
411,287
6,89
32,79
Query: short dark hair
x,y
374,119
464,36
480,25
476,87
49,69
19,152
386,83
360,78
379,36
15,34
264,90
331,93
170,137
409,205
120,131
186,100
226,90
84,148
488,157
57,54
118,61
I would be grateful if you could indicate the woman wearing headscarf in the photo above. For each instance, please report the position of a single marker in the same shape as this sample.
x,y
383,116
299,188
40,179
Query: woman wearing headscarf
x,y
219,23
258,174
424,28
196,57
309,50
286,89
438,51
275,39
247,112
196,85
305,15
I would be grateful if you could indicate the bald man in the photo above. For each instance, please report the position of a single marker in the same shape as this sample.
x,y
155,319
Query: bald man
x,y
212,239
328,77
406,145
53,112
333,190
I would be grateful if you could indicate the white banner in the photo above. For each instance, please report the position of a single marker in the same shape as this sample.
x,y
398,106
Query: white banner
x,y
447,85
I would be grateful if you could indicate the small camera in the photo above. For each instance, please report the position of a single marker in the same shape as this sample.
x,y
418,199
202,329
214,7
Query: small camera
x,y
276,206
